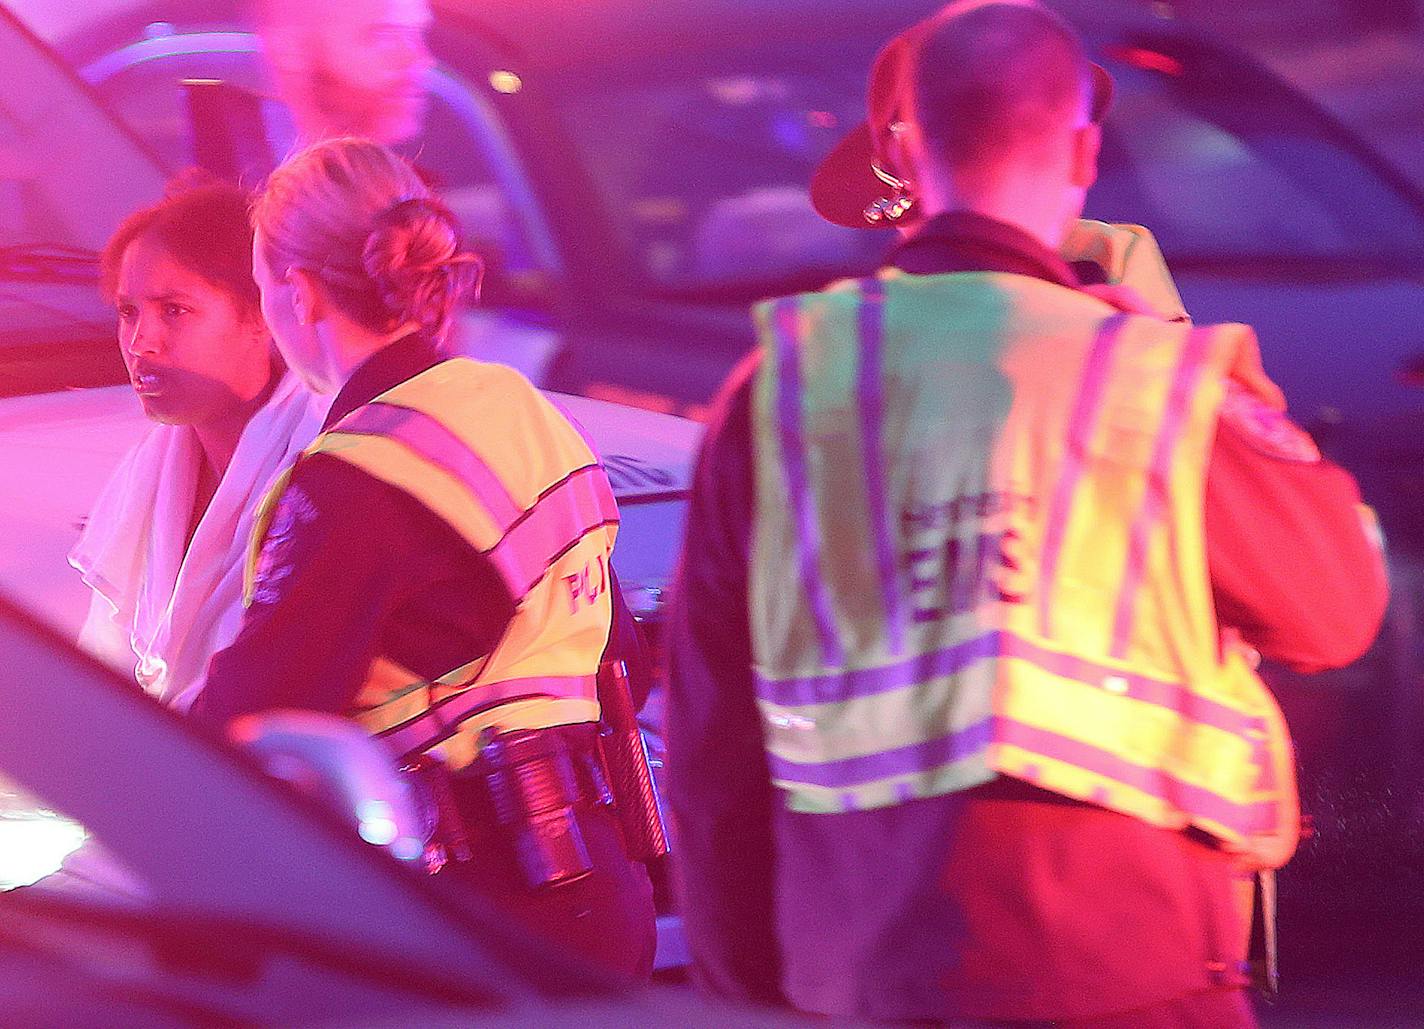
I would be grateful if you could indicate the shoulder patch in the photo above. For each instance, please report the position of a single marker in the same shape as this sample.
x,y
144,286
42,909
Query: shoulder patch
x,y
1267,430
274,565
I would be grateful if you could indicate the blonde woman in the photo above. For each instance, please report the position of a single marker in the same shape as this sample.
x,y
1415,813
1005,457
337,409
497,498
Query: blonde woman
x,y
436,563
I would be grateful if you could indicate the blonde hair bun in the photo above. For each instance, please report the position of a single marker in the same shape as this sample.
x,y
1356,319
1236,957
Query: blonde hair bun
x,y
413,259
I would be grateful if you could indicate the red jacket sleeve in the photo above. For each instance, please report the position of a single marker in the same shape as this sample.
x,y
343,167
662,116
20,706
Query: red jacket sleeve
x,y
1296,565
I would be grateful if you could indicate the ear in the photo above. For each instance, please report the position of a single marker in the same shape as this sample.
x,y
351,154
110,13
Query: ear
x,y
1087,142
308,299
905,148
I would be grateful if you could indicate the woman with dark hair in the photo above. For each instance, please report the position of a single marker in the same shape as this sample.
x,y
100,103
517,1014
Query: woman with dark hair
x,y
162,548
436,564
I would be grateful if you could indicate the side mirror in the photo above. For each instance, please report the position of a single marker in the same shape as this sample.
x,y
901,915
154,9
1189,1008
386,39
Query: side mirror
x,y
338,763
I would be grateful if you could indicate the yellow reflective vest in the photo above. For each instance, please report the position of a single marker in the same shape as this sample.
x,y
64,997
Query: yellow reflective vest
x,y
979,550
480,447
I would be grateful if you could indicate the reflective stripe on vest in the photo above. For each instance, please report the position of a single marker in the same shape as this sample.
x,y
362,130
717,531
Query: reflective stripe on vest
x,y
438,722
979,550
478,446
528,540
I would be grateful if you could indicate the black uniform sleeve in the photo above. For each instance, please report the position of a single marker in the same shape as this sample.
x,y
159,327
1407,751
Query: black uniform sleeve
x,y
332,568
1295,566
625,643
719,785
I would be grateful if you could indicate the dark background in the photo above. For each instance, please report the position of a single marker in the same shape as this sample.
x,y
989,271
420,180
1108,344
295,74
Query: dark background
x,y
1352,902
1363,59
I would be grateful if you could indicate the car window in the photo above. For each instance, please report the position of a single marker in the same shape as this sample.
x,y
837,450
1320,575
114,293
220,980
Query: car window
x,y
1221,164
704,163
463,151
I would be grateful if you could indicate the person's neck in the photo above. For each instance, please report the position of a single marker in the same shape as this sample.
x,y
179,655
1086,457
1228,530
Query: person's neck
x,y
311,120
314,127
1022,203
315,124
346,346
218,437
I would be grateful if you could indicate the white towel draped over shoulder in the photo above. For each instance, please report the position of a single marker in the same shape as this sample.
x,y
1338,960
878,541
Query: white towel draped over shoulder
x,y
170,610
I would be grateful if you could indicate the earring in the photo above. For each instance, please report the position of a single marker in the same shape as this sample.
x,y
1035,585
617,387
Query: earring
x,y
893,207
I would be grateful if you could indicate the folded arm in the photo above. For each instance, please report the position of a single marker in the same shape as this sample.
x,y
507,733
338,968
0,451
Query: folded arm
x,y
1295,561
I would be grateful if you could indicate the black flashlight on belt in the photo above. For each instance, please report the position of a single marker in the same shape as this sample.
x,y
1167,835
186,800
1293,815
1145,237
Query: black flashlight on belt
x,y
531,784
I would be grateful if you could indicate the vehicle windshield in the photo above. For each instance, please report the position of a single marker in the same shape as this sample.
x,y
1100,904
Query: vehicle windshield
x,y
703,163
68,175
703,160
1221,163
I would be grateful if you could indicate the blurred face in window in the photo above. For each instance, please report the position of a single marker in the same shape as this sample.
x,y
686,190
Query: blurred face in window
x,y
193,354
351,67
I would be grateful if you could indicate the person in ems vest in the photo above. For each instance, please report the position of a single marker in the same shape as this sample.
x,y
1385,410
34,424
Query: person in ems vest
x,y
963,724
436,563
1118,263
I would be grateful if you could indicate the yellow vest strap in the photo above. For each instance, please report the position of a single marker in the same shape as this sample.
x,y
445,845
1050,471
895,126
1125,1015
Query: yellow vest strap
x,y
564,514
784,317
1039,745
1243,817
531,541
1087,407
1190,368
839,687
440,447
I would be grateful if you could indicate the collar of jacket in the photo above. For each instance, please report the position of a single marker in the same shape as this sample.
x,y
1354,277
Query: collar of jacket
x,y
963,241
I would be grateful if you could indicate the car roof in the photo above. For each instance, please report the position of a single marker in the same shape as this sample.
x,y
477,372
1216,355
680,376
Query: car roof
x,y
554,37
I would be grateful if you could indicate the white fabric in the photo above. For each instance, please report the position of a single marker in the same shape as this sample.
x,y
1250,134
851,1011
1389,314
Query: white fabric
x,y
170,610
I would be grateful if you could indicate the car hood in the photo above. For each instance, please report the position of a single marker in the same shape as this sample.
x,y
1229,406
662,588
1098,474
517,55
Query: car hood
x,y
647,454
